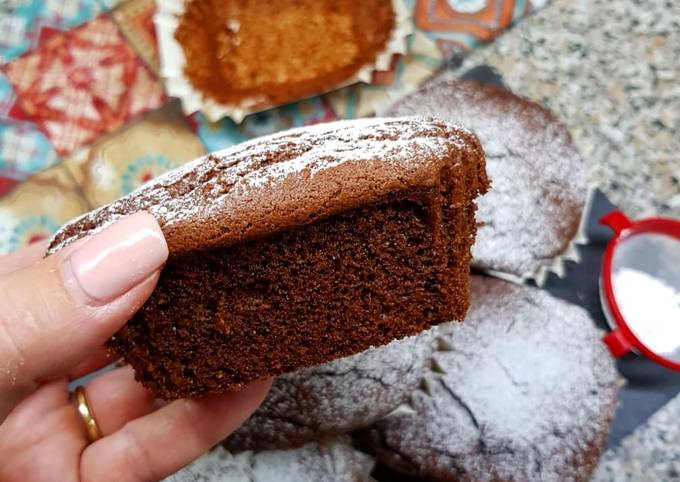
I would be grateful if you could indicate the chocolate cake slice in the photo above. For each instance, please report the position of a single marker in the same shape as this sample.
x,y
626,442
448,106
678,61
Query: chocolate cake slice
x,y
298,248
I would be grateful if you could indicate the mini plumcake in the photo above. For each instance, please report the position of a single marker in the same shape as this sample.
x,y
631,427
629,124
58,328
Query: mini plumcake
x,y
299,248
525,391
267,53
336,397
539,186
329,461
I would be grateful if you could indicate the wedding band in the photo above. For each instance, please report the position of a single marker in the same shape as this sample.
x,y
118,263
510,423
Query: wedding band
x,y
86,414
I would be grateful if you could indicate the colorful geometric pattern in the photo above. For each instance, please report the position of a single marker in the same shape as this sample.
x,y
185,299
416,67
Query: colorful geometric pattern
x,y
36,208
74,74
445,31
23,150
135,20
7,96
21,21
80,84
112,167
482,19
459,25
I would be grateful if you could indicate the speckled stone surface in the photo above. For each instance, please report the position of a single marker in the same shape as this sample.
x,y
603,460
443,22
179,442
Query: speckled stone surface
x,y
652,452
610,69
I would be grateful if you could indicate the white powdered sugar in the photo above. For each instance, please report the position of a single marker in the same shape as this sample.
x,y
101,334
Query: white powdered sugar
x,y
645,278
538,190
525,391
334,460
230,183
336,397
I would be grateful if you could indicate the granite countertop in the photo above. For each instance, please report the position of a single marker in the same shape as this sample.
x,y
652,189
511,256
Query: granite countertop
x,y
610,69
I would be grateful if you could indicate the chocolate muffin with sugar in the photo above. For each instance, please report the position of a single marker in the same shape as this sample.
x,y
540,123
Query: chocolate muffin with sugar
x,y
331,460
539,186
299,248
525,390
337,397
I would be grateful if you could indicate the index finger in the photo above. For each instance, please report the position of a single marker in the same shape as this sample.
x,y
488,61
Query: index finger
x,y
55,312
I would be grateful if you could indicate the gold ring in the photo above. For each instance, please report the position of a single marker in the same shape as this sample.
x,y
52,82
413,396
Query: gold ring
x,y
86,414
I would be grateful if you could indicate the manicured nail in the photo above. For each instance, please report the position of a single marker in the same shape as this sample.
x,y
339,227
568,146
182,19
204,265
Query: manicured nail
x,y
116,260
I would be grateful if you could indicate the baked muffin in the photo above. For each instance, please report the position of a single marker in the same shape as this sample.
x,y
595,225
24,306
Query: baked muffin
x,y
262,52
299,248
337,397
524,391
539,186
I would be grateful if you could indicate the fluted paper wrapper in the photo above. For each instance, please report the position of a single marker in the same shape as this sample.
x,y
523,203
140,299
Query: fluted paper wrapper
x,y
172,60
556,264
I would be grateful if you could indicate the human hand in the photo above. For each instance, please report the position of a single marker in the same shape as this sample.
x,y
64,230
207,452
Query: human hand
x,y
55,315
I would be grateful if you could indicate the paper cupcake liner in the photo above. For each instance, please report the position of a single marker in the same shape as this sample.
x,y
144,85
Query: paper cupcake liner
x,y
421,61
571,253
556,265
172,61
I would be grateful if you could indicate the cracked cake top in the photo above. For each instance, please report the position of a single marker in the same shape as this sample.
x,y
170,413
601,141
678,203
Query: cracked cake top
x,y
525,390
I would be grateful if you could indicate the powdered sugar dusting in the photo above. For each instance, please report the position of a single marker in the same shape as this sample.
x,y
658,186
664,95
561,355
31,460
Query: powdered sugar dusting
x,y
538,178
336,397
202,190
333,460
528,389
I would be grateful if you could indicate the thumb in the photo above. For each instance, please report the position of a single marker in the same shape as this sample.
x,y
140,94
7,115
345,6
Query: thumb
x,y
57,311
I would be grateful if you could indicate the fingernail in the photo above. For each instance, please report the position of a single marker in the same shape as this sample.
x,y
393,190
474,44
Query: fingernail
x,y
116,260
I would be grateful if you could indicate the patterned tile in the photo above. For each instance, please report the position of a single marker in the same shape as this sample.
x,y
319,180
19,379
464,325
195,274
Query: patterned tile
x,y
159,141
7,183
36,208
446,30
459,24
80,84
21,21
135,20
109,4
225,133
7,97
24,150
422,60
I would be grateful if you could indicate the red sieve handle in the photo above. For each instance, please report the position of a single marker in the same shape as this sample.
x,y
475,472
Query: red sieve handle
x,y
617,221
617,343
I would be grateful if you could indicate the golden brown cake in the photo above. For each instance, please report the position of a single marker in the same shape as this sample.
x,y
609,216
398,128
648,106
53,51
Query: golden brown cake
x,y
264,52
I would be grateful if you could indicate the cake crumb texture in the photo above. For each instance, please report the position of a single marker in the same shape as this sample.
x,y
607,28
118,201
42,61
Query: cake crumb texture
x,y
299,248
